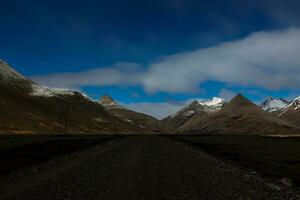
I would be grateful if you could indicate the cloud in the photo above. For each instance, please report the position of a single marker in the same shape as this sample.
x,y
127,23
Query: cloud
x,y
158,110
286,13
269,60
120,74
227,94
264,59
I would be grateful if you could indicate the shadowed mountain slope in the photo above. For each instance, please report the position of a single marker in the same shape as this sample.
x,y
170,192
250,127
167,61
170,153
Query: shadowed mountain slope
x,y
194,108
28,108
182,116
291,113
135,118
239,117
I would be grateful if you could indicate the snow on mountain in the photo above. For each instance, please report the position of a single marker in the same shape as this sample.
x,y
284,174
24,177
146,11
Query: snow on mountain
x,y
42,91
188,110
7,73
210,105
213,104
189,113
273,105
295,104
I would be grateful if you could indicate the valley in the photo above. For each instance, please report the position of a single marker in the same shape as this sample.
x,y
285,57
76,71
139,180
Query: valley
x,y
61,144
149,100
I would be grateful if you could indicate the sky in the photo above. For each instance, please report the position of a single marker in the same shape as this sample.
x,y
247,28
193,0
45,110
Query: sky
x,y
154,56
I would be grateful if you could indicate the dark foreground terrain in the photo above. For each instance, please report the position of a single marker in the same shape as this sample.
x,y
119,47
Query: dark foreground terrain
x,y
22,152
274,157
140,167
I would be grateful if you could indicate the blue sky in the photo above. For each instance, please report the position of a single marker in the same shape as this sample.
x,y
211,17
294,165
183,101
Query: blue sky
x,y
158,53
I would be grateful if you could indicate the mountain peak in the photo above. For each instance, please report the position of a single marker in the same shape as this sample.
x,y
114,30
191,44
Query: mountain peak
x,y
240,97
106,99
295,104
273,105
214,102
194,102
109,102
297,99
239,101
7,73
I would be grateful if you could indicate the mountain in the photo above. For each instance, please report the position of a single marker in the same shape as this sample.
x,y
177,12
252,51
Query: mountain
x,y
110,103
239,117
213,104
29,108
195,107
183,115
274,105
291,113
135,118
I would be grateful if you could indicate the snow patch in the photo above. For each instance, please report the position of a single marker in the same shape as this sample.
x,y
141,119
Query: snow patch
x,y
8,73
273,105
295,104
189,113
195,106
214,102
42,91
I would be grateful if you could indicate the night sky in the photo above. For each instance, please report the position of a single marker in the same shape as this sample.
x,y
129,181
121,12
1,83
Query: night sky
x,y
156,55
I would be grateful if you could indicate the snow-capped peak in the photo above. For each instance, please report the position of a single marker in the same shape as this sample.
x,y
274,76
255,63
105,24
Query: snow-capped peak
x,y
273,105
295,104
7,73
214,102
211,105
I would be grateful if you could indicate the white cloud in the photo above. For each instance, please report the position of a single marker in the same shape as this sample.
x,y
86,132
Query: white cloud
x,y
264,59
227,94
120,74
268,60
158,110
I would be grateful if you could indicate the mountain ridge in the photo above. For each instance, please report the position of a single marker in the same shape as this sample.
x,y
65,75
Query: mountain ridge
x,y
274,105
180,117
141,120
23,110
239,117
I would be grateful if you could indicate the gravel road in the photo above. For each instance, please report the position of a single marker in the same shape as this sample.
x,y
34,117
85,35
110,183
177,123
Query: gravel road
x,y
141,167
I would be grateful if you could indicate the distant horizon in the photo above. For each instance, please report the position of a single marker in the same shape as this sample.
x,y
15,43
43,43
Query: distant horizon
x,y
161,110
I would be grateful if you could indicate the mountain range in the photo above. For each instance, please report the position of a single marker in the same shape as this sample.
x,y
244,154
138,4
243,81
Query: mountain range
x,y
135,118
29,108
195,107
239,117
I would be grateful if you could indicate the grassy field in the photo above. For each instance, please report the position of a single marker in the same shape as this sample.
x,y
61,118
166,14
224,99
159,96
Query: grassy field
x,y
17,152
272,156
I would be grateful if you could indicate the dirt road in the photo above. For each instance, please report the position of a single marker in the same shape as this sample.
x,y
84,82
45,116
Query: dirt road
x,y
140,167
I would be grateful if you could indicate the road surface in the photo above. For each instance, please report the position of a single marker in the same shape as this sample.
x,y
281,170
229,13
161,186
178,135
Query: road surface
x,y
140,167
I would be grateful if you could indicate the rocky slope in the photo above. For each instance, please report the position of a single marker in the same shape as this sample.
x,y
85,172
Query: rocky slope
x,y
182,116
291,113
272,105
28,108
239,117
194,108
135,118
